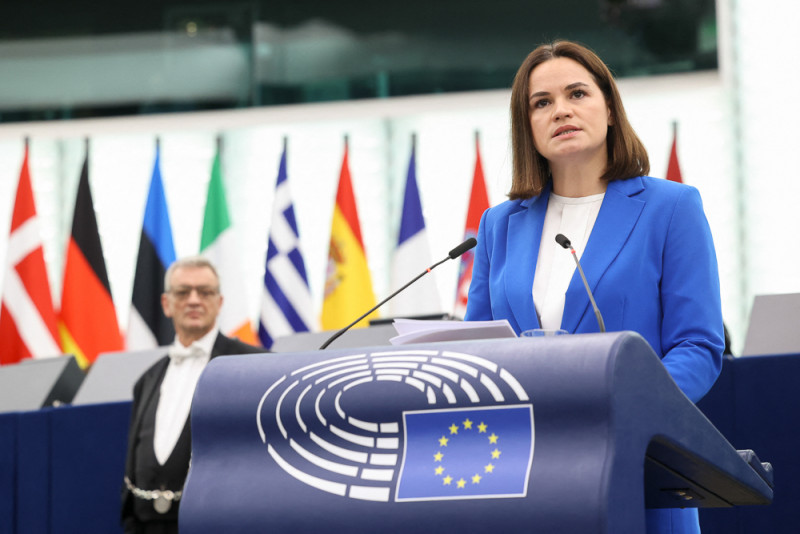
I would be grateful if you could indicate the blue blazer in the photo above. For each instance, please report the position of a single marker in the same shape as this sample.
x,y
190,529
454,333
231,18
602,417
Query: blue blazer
x,y
650,262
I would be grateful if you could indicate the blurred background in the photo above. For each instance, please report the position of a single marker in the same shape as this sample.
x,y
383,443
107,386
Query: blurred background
x,y
710,75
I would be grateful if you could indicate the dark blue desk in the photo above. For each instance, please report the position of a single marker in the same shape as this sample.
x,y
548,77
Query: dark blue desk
x,y
756,405
61,469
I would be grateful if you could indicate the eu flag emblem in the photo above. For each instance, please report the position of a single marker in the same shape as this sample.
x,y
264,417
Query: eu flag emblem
x,y
474,453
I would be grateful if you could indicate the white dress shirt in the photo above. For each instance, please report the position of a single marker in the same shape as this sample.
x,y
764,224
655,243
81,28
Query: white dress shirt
x,y
175,401
575,218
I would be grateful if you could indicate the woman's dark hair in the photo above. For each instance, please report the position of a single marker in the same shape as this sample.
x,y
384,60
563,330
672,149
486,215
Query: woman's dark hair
x,y
627,156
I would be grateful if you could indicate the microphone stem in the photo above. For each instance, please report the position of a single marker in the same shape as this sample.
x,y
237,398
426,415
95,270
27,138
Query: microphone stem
x,y
381,303
589,292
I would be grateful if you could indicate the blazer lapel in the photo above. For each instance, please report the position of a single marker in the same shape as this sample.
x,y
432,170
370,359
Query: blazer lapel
x,y
524,237
615,222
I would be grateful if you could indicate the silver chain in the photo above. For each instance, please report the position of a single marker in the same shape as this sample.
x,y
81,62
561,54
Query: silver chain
x,y
151,495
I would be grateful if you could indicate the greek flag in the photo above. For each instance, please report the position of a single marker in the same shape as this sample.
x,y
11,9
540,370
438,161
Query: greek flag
x,y
286,300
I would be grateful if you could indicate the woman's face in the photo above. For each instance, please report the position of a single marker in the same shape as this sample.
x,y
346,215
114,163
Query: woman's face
x,y
568,112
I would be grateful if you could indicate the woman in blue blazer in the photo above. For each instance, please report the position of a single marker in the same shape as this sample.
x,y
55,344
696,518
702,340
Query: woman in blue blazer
x,y
644,243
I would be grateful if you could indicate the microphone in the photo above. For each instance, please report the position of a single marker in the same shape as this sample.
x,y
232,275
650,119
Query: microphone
x,y
562,240
453,254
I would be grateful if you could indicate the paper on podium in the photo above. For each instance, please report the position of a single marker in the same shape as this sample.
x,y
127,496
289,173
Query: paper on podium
x,y
426,331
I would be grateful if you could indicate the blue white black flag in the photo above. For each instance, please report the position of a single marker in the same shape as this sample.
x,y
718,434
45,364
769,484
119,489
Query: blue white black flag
x,y
147,325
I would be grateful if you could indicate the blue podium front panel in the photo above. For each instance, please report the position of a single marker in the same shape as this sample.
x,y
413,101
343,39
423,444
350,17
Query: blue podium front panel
x,y
542,435
8,471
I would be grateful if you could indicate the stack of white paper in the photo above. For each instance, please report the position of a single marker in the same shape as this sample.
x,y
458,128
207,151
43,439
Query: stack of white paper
x,y
426,331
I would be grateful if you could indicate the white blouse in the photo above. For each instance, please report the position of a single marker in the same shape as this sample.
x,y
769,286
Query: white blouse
x,y
575,218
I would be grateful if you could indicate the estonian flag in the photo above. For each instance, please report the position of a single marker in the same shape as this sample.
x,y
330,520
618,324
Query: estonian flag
x,y
148,327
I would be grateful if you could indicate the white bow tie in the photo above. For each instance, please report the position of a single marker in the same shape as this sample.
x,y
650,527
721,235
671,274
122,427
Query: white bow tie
x,y
179,353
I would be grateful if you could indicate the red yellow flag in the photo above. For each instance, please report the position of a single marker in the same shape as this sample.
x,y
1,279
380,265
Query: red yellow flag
x,y
87,320
27,318
478,203
348,285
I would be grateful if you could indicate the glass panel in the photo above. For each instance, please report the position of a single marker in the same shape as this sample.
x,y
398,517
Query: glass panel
x,y
103,60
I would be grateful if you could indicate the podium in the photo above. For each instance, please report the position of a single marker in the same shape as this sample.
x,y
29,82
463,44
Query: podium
x,y
571,434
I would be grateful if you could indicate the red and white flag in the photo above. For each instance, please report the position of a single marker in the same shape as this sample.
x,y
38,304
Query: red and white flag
x,y
27,318
478,203
674,169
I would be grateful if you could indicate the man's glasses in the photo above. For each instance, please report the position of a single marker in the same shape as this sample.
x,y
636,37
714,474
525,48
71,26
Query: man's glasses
x,y
204,292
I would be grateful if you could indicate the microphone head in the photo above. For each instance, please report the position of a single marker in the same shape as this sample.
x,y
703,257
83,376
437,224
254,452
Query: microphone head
x,y
562,240
462,248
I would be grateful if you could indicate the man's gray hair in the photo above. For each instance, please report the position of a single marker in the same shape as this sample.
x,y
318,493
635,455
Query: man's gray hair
x,y
192,262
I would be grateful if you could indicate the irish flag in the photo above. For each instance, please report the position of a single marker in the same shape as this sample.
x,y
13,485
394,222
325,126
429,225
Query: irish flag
x,y
348,285
218,244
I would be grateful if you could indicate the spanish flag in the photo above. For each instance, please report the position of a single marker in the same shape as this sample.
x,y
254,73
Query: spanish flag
x,y
87,321
348,285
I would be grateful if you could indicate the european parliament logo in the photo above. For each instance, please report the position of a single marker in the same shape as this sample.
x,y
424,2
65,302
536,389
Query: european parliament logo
x,y
474,438
467,454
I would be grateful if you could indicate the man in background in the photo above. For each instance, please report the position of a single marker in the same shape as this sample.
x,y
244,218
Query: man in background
x,y
159,439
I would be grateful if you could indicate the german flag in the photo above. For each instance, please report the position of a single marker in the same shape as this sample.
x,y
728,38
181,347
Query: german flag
x,y
87,320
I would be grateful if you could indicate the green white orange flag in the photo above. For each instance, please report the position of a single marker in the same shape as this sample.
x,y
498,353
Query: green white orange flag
x,y
87,321
27,318
218,244
348,285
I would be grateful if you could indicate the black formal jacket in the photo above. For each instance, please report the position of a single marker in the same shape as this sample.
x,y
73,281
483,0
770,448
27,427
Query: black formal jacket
x,y
148,385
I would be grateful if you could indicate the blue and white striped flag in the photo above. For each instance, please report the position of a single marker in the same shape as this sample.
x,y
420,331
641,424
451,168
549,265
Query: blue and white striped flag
x,y
286,300
412,255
